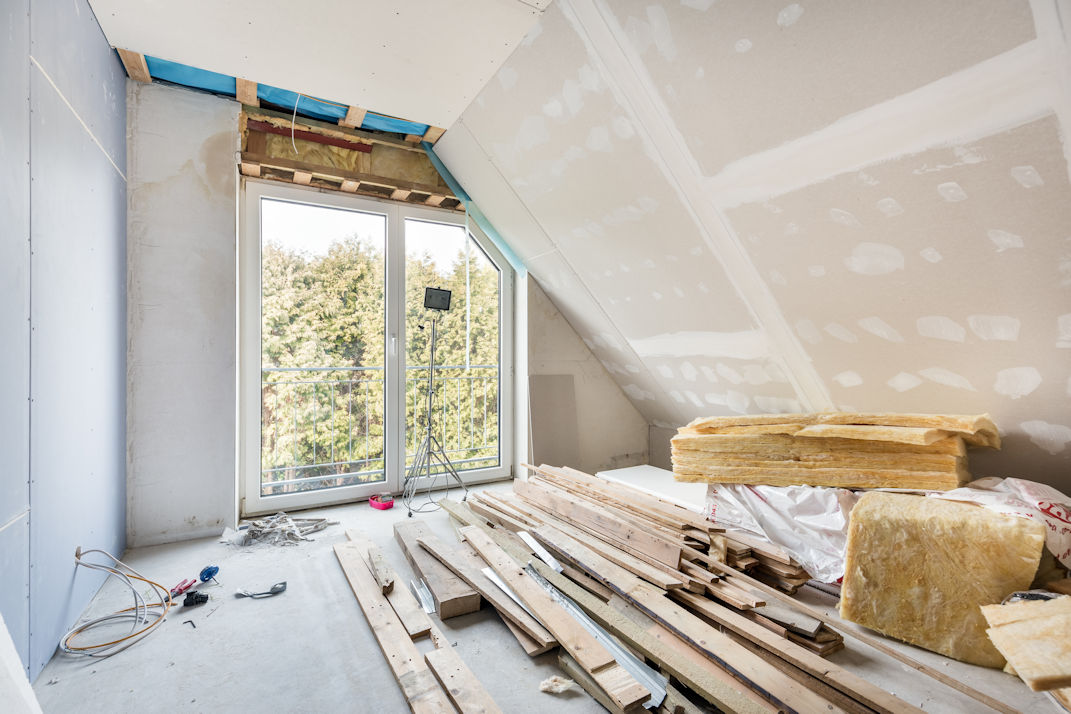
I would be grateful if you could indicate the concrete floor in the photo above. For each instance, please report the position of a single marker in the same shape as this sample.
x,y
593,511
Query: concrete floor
x,y
311,649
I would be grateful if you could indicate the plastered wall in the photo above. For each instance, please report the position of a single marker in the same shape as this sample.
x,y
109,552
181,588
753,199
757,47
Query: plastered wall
x,y
181,302
749,207
62,315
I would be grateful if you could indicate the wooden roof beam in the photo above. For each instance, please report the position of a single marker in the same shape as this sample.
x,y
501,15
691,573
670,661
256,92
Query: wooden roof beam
x,y
136,66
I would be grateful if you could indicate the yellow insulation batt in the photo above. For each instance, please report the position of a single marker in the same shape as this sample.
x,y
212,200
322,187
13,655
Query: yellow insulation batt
x,y
918,569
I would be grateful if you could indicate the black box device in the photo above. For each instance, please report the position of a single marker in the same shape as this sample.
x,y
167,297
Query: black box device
x,y
436,299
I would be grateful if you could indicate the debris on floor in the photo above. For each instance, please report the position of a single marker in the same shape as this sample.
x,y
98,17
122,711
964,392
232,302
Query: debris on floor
x,y
270,592
555,685
280,529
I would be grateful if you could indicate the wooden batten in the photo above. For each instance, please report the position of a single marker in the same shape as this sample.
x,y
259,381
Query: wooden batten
x,y
136,66
400,194
435,199
350,186
414,138
246,92
302,177
354,118
251,168
433,134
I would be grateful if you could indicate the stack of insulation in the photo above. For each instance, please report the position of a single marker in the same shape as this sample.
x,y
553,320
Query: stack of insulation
x,y
846,450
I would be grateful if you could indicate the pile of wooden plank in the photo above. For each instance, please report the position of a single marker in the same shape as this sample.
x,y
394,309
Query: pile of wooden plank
x,y
916,451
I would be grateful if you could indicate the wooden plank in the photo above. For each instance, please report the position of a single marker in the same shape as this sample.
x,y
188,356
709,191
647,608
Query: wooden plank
x,y
414,138
382,572
400,194
460,684
621,687
530,646
354,117
303,178
435,199
336,174
433,134
452,595
467,566
416,621
286,120
250,169
415,679
135,65
350,186
246,92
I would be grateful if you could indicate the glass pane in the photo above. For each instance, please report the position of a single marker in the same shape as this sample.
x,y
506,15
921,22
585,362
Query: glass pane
x,y
465,403
322,337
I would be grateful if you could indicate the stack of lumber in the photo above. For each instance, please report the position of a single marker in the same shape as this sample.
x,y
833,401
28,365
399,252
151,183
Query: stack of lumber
x,y
764,561
847,450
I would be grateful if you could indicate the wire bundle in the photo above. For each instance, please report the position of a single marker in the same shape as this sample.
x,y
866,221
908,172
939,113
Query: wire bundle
x,y
144,616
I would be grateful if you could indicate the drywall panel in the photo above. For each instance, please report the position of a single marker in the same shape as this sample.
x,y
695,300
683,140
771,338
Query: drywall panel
x,y
612,431
417,60
15,594
742,76
15,263
78,347
69,48
181,307
552,405
938,282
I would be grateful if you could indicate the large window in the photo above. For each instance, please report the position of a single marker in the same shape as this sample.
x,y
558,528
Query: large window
x,y
335,346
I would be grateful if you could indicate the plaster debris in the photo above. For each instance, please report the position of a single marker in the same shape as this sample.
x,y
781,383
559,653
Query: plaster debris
x,y
952,192
941,328
904,381
890,207
1027,176
843,217
1016,382
1004,240
742,45
994,327
841,332
280,529
790,15
948,378
931,255
875,259
878,327
848,379
1053,438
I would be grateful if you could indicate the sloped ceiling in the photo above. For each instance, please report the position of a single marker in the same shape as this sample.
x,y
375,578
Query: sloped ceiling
x,y
749,206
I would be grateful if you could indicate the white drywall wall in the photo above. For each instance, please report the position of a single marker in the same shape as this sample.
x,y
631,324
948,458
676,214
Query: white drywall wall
x,y
181,354
748,207
611,433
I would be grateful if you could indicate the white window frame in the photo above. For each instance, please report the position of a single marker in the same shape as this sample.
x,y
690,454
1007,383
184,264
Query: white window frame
x,y
249,344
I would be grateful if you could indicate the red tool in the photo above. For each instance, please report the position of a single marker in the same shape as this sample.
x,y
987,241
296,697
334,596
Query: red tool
x,y
182,587
382,501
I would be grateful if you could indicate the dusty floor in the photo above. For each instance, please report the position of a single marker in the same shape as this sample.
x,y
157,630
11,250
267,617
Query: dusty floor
x,y
311,649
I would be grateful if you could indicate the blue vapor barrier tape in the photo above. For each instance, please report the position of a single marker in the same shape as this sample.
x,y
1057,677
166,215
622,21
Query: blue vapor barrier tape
x,y
307,106
474,211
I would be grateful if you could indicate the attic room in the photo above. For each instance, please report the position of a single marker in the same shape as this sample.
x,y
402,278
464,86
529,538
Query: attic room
x,y
529,355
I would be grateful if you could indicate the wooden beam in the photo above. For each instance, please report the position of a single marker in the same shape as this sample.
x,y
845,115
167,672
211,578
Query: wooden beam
x,y
354,118
412,615
246,92
433,134
350,186
136,66
286,120
400,194
416,681
251,168
337,174
461,685
414,138
452,595
382,572
302,177
435,199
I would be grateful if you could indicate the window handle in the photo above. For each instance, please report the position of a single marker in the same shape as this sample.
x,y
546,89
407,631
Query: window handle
x,y
393,345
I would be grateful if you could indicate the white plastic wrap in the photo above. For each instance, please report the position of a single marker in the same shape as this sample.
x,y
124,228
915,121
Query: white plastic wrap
x,y
809,522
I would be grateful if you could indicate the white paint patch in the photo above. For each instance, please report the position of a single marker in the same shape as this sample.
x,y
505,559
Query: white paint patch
x,y
710,374
848,379
777,278
931,255
1027,176
747,344
790,15
1063,330
737,401
777,405
700,73
940,327
791,229
1050,437
599,139
677,396
703,288
661,32
940,375
689,372
742,45
875,259
507,77
701,5
636,393
573,96
880,328
590,79
693,398
756,375
678,292
867,179
1004,240
729,374
904,381
533,132
808,332
841,332
666,371
816,271
714,398
1002,328
843,217
1016,382
632,368
890,207
952,192
623,127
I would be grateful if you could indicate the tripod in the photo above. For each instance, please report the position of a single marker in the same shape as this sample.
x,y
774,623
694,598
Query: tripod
x,y
429,449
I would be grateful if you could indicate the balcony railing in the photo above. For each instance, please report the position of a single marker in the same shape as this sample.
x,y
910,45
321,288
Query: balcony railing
x,y
323,427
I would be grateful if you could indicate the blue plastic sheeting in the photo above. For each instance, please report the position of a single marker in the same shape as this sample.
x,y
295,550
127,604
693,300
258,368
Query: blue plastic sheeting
x,y
474,211
306,106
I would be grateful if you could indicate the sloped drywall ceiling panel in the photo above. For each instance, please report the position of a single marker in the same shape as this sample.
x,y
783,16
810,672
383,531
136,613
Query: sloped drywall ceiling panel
x,y
764,206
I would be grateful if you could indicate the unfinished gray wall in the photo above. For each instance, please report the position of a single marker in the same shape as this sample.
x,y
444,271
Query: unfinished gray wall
x,y
749,207
181,305
63,315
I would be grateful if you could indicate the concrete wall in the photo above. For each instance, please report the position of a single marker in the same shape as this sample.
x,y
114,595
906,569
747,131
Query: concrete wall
x,y
181,306
62,314
606,431
757,206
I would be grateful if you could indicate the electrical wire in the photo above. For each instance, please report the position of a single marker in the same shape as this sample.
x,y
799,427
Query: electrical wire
x,y
140,615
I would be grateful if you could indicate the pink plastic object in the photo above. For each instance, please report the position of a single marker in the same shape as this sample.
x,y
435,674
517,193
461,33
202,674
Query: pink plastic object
x,y
382,501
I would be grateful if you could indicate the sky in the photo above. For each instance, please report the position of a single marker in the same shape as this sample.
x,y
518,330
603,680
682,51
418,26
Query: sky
x,y
312,229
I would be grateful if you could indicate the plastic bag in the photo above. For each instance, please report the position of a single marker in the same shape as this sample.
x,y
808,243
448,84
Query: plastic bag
x,y
810,522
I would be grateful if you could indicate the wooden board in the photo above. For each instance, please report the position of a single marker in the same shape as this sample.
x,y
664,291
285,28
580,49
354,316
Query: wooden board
x,y
416,621
418,684
461,685
382,572
452,595
246,92
530,646
136,66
